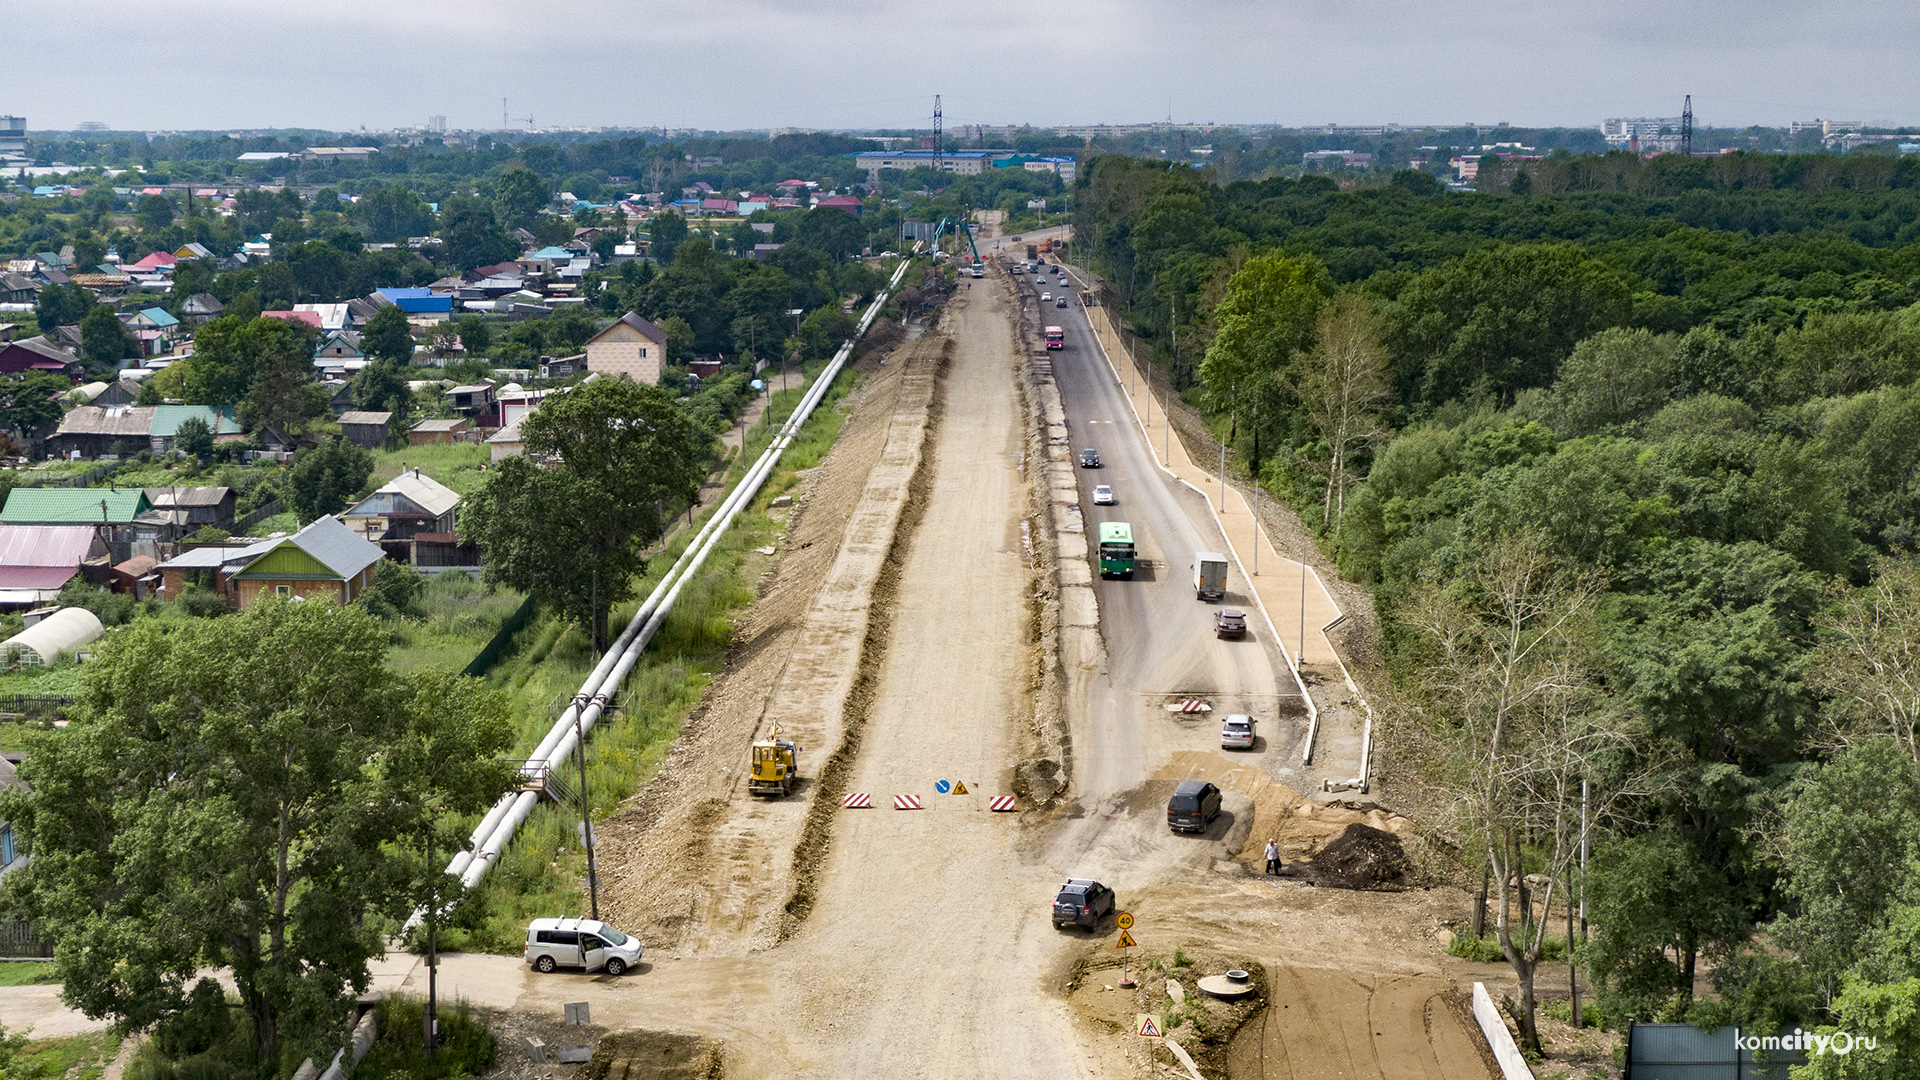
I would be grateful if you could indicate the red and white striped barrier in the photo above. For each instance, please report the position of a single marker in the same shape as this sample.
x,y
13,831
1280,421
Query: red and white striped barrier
x,y
1190,705
856,800
1001,804
906,802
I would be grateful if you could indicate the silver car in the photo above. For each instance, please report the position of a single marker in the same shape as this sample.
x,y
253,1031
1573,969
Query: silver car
x,y
1236,732
582,943
1102,495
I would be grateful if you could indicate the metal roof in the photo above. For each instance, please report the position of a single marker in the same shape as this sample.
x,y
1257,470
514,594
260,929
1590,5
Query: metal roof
x,y
427,496
37,578
358,416
168,418
186,496
339,548
73,506
45,545
206,558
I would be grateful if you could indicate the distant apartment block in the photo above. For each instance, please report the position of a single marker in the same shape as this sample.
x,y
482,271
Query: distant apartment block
x,y
437,125
1643,133
13,134
1322,160
1827,128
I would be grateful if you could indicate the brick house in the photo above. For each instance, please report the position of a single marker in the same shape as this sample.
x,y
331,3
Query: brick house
x,y
632,346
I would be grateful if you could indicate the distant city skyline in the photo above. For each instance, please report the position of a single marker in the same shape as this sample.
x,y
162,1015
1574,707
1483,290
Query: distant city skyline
x,y
247,64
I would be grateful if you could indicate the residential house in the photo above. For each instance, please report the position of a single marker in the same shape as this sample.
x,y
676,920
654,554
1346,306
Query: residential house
x,y
436,432
194,250
201,506
409,503
122,391
202,306
311,318
632,346
136,577
340,398
36,561
153,318
17,289
154,263
35,354
96,430
506,443
333,317
339,346
364,428
472,399
324,559
212,565
108,511
848,203
421,305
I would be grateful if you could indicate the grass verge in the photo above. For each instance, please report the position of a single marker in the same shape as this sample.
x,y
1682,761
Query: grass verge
x,y
26,973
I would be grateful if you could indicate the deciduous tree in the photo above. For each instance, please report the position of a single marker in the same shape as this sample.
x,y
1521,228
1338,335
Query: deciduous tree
x,y
1343,382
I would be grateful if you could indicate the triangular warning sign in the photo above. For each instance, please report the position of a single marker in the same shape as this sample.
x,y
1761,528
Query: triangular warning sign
x,y
1149,1028
1126,941
959,787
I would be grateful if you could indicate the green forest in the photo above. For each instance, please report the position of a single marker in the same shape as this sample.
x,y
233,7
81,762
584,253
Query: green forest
x,y
1628,452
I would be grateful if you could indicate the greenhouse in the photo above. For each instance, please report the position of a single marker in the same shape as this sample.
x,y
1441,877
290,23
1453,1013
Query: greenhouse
x,y
63,631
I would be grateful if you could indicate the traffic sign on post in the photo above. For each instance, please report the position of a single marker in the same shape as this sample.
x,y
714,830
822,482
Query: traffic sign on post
x,y
1126,941
941,786
1124,920
1147,1027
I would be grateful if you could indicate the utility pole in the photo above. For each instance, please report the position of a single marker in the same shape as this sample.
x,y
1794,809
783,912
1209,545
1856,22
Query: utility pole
x,y
939,140
1301,657
1573,970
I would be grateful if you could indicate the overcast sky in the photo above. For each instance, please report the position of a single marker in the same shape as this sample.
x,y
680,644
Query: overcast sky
x,y
193,64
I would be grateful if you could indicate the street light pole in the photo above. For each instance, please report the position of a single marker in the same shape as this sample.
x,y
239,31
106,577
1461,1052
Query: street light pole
x,y
1302,658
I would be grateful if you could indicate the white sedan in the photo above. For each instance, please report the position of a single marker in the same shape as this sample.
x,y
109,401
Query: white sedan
x,y
1103,495
1045,296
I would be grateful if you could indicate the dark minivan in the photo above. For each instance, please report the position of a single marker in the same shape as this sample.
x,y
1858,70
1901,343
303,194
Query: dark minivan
x,y
1194,805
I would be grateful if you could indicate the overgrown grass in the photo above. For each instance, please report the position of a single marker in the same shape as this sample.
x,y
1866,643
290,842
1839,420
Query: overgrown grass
x,y
542,872
459,617
457,465
466,1047
1486,950
76,1057
26,973
65,677
284,522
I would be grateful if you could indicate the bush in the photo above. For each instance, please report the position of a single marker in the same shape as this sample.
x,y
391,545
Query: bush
x,y
396,590
1486,950
203,603
1562,1010
466,1046
111,608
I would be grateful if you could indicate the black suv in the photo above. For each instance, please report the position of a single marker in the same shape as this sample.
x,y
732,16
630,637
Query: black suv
x,y
1194,805
1089,459
1081,903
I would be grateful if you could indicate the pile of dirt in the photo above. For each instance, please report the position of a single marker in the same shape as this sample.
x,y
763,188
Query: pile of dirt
x,y
1362,857
654,1055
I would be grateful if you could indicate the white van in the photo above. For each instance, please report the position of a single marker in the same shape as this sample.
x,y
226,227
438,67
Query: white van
x,y
583,943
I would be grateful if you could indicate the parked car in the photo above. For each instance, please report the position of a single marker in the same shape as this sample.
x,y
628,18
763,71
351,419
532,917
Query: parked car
x,y
582,943
1081,903
1236,732
1089,459
1102,495
1229,623
1194,805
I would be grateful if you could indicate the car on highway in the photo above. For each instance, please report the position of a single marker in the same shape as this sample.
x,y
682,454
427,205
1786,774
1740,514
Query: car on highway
x,y
1103,495
1081,902
1045,296
587,944
1193,806
1060,303
1229,623
1236,732
1089,459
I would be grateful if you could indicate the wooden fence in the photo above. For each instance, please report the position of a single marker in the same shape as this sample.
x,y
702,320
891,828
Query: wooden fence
x,y
255,517
21,940
490,655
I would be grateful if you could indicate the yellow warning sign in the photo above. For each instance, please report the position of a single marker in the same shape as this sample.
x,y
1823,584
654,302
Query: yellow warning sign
x,y
1126,941
959,787
1147,1027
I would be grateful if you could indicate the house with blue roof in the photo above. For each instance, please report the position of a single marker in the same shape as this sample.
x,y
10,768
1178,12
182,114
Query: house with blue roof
x,y
152,318
422,304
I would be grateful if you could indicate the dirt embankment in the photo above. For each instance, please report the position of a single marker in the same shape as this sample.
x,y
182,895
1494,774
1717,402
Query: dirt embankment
x,y
691,862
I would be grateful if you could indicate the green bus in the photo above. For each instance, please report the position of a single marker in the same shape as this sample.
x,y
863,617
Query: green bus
x,y
1116,549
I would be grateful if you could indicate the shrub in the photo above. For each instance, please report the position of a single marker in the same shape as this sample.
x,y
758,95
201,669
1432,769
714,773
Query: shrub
x,y
466,1046
111,608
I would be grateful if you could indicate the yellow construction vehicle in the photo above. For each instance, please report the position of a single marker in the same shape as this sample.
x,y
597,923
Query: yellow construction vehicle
x,y
776,765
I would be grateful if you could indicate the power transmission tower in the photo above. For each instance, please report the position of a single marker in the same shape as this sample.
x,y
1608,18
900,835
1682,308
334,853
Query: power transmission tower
x,y
1686,127
939,139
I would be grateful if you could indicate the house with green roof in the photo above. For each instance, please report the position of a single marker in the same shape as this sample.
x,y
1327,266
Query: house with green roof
x,y
96,431
74,506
